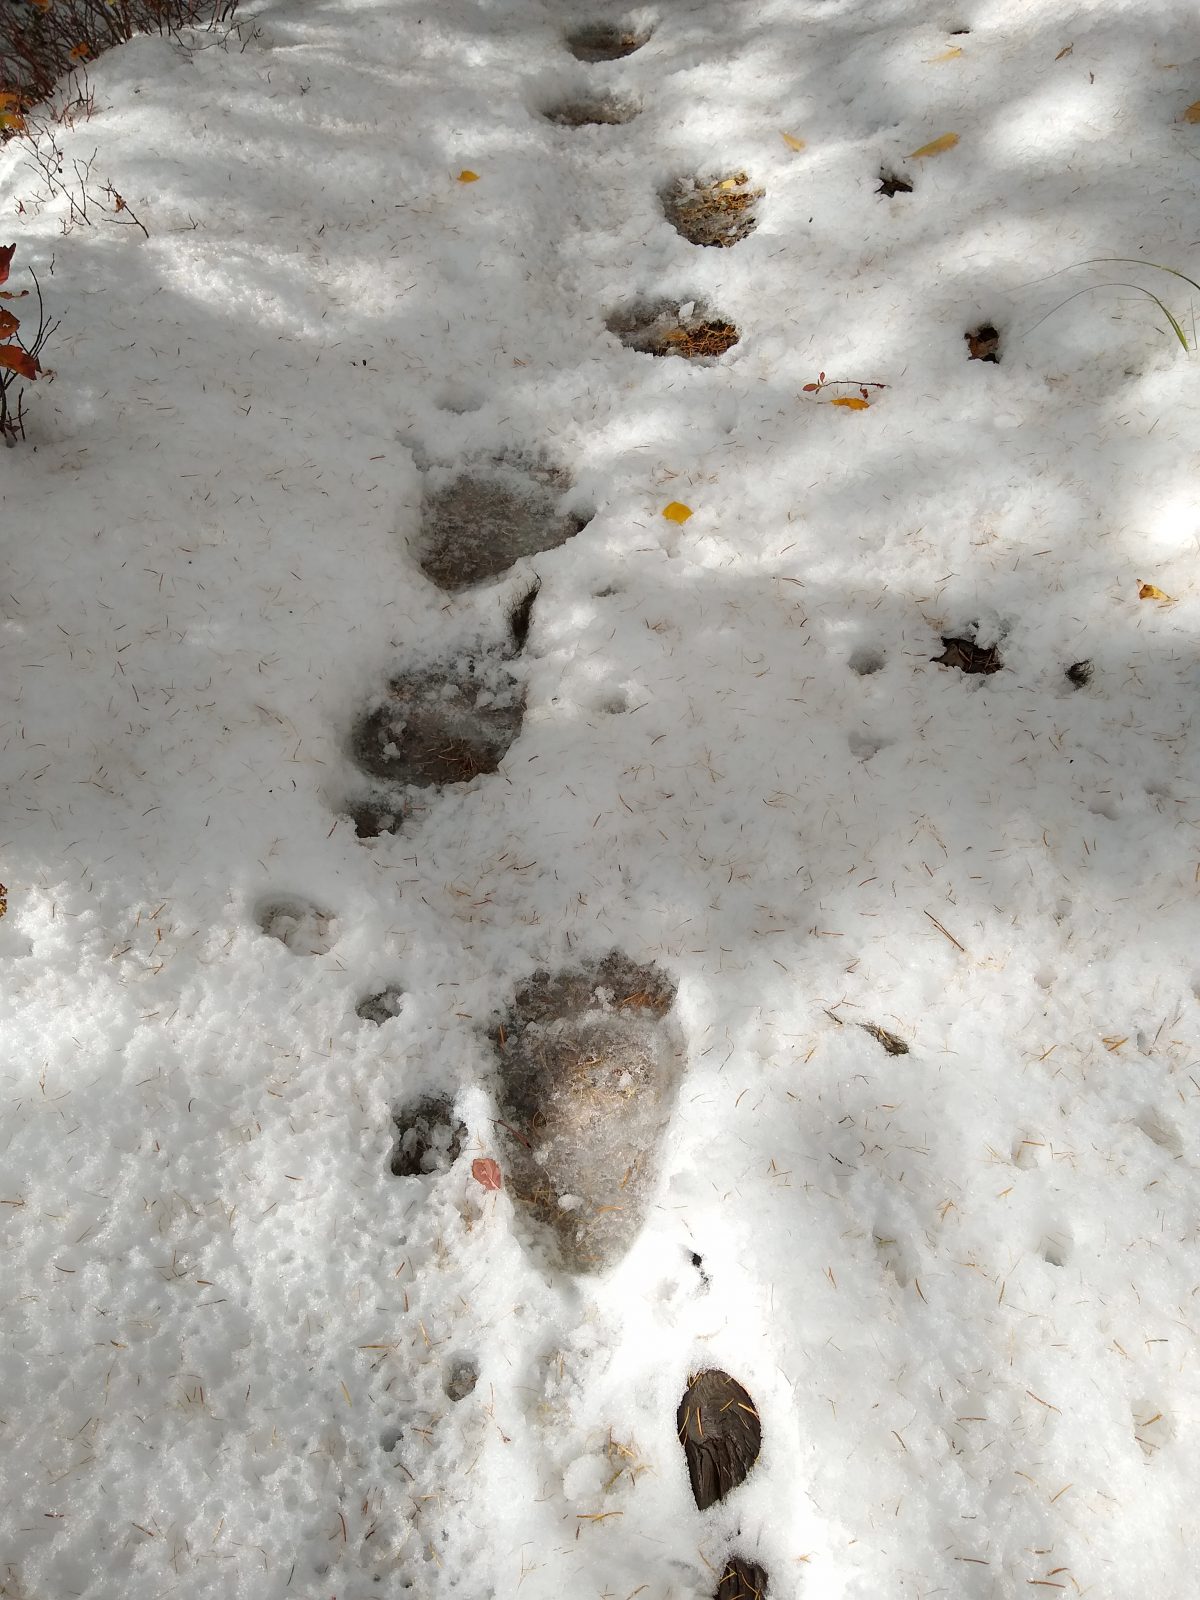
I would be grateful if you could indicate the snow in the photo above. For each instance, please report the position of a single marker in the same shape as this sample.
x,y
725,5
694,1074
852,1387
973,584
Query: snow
x,y
959,1283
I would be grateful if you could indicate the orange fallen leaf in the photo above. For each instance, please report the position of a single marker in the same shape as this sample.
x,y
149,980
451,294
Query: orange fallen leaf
x,y
1192,114
1148,591
467,176
79,52
852,402
486,1173
946,55
946,142
792,142
677,511
18,361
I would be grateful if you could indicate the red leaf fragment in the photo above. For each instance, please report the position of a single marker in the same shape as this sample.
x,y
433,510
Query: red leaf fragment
x,y
6,254
486,1173
18,361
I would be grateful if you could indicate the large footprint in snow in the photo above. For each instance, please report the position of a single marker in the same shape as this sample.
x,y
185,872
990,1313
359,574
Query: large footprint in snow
x,y
477,523
590,1062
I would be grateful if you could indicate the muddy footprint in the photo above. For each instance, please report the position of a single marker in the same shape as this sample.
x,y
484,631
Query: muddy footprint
x,y
589,1063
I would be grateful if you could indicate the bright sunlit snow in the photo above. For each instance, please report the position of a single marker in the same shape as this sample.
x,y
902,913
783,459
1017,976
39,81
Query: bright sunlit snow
x,y
304,786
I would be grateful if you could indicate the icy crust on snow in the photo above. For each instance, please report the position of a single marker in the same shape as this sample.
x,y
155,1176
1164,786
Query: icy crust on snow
x,y
959,1283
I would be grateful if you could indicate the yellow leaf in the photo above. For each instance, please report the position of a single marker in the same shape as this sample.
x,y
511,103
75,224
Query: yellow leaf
x,y
12,120
677,511
946,142
1147,591
467,176
792,143
946,55
852,402
1192,114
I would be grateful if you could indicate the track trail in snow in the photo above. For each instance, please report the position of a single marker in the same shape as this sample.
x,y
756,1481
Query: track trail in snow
x,y
792,903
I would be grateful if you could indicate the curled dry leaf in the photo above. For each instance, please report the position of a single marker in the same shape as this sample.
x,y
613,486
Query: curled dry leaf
x,y
18,361
1150,591
677,511
467,176
936,146
486,1173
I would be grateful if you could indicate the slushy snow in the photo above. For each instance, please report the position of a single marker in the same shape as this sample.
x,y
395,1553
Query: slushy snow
x,y
239,1357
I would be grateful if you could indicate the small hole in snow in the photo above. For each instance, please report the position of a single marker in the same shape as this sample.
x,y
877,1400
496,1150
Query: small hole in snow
x,y
602,111
380,1007
429,1138
377,816
606,41
673,328
892,184
983,343
719,212
446,725
461,1376
303,927
968,656
866,662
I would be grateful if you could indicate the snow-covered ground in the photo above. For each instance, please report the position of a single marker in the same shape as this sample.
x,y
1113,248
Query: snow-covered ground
x,y
960,1284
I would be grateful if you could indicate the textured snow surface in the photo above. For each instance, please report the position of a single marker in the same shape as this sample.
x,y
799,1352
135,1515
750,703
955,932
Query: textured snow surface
x,y
239,1357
